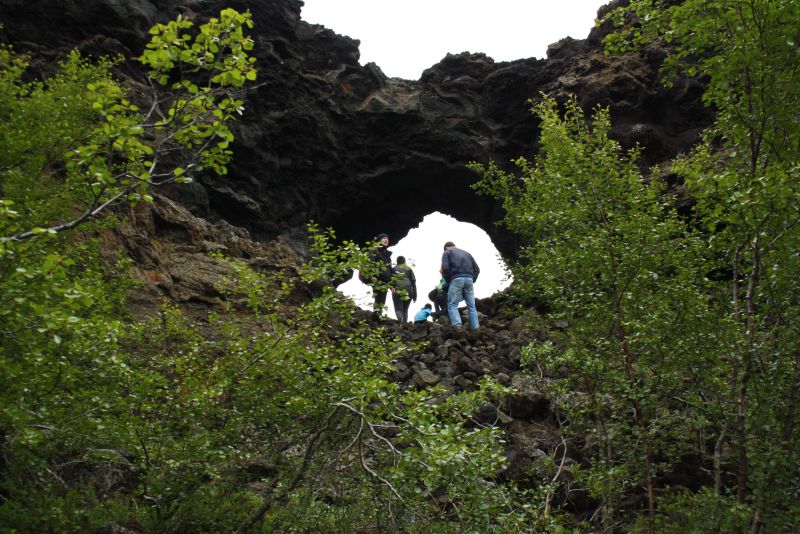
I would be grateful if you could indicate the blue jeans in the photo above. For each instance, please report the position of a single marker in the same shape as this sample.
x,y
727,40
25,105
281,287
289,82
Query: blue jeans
x,y
461,288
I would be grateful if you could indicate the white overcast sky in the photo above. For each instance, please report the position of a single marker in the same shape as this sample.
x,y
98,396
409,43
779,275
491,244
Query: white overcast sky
x,y
406,37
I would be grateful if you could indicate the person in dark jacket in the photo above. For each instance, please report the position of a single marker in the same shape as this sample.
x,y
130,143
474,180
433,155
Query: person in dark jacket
x,y
461,271
404,289
438,296
382,257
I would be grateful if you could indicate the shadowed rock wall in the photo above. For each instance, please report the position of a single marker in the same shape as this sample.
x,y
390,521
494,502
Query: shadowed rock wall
x,y
324,138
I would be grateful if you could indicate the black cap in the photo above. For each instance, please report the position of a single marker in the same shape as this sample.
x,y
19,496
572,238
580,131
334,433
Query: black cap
x,y
381,236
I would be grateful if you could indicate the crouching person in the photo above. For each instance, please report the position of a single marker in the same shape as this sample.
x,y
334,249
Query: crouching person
x,y
422,315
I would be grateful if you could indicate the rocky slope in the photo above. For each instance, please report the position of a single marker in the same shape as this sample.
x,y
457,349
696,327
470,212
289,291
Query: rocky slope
x,y
327,139
456,359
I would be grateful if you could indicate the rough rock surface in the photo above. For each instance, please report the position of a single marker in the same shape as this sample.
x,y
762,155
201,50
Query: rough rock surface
x,y
171,252
457,359
327,139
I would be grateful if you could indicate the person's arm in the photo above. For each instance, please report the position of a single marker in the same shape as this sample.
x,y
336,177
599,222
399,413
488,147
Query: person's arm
x,y
445,270
393,278
475,269
413,284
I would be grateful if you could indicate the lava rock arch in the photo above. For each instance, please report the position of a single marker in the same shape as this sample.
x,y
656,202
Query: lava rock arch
x,y
327,139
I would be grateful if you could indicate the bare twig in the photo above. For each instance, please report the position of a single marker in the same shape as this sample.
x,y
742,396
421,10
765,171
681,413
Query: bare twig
x,y
374,474
549,497
89,214
718,463
371,428
356,438
263,353
269,498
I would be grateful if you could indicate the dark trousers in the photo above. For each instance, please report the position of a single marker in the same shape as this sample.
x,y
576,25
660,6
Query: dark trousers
x,y
440,304
380,299
401,307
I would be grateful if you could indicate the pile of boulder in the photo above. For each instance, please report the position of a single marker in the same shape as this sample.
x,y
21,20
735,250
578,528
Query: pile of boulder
x,y
450,360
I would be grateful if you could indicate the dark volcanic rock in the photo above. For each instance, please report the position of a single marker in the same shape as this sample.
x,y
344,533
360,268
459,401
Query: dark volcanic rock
x,y
327,139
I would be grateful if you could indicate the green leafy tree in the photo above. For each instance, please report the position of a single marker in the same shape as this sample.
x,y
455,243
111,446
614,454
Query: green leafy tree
x,y
80,128
614,259
744,178
156,422
72,147
408,460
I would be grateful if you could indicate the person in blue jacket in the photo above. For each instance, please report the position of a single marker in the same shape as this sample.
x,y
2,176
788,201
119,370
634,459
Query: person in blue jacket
x,y
423,314
461,271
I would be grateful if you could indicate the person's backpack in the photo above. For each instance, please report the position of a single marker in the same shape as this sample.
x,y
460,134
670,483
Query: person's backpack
x,y
400,274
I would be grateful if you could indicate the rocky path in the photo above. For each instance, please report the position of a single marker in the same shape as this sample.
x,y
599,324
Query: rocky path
x,y
456,359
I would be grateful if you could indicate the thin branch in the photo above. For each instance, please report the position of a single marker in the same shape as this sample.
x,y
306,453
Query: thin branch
x,y
549,497
718,463
266,351
269,499
375,475
154,107
363,417
356,438
89,214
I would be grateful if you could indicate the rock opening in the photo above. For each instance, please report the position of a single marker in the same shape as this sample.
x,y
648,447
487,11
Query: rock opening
x,y
422,248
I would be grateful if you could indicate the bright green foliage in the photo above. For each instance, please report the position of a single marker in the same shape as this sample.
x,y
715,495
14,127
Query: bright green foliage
x,y
217,55
84,120
41,122
57,329
748,50
71,147
744,179
622,268
354,406
179,409
683,343
335,264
